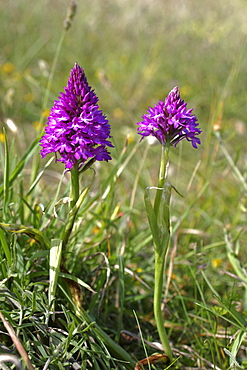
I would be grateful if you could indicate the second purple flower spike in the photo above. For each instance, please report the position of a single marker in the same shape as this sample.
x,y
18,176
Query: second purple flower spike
x,y
170,121
77,129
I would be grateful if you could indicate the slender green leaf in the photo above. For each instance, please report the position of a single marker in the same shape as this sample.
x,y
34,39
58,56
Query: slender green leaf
x,y
31,232
6,172
120,295
32,187
234,260
5,247
72,214
152,218
77,280
21,164
54,269
238,340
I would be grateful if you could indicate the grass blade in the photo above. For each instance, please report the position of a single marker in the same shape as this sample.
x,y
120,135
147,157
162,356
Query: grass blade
x,y
55,260
21,164
5,247
6,172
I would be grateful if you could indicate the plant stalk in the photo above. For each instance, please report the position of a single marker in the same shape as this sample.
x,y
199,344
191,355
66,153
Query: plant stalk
x,y
161,202
75,188
158,291
163,172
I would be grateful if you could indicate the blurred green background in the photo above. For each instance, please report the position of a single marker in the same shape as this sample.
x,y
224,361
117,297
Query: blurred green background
x,y
133,54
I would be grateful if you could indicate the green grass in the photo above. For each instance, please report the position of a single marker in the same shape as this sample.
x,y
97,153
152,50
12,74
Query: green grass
x,y
133,53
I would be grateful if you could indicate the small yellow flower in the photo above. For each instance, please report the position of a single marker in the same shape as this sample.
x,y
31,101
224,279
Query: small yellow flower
x,y
2,139
129,135
95,230
31,242
37,125
46,113
216,262
8,68
139,270
117,113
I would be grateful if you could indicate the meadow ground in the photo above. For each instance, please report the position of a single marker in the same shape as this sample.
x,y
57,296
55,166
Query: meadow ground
x,y
133,53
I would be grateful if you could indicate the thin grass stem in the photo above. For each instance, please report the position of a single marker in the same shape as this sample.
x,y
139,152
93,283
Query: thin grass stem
x,y
158,291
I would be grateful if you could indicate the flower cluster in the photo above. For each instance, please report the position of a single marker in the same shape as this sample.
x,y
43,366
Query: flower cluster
x,y
170,121
77,129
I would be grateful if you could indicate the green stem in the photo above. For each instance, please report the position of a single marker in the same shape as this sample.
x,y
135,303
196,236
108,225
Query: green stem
x,y
158,289
74,195
75,188
164,165
161,210
73,213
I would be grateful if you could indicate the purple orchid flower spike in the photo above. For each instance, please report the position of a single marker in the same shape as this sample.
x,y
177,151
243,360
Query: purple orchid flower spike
x,y
77,130
170,121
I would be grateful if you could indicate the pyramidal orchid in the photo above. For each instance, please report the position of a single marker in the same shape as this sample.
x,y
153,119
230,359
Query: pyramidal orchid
x,y
77,130
169,122
78,133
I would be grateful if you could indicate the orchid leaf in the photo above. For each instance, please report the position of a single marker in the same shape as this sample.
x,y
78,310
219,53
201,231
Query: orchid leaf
x,y
152,220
